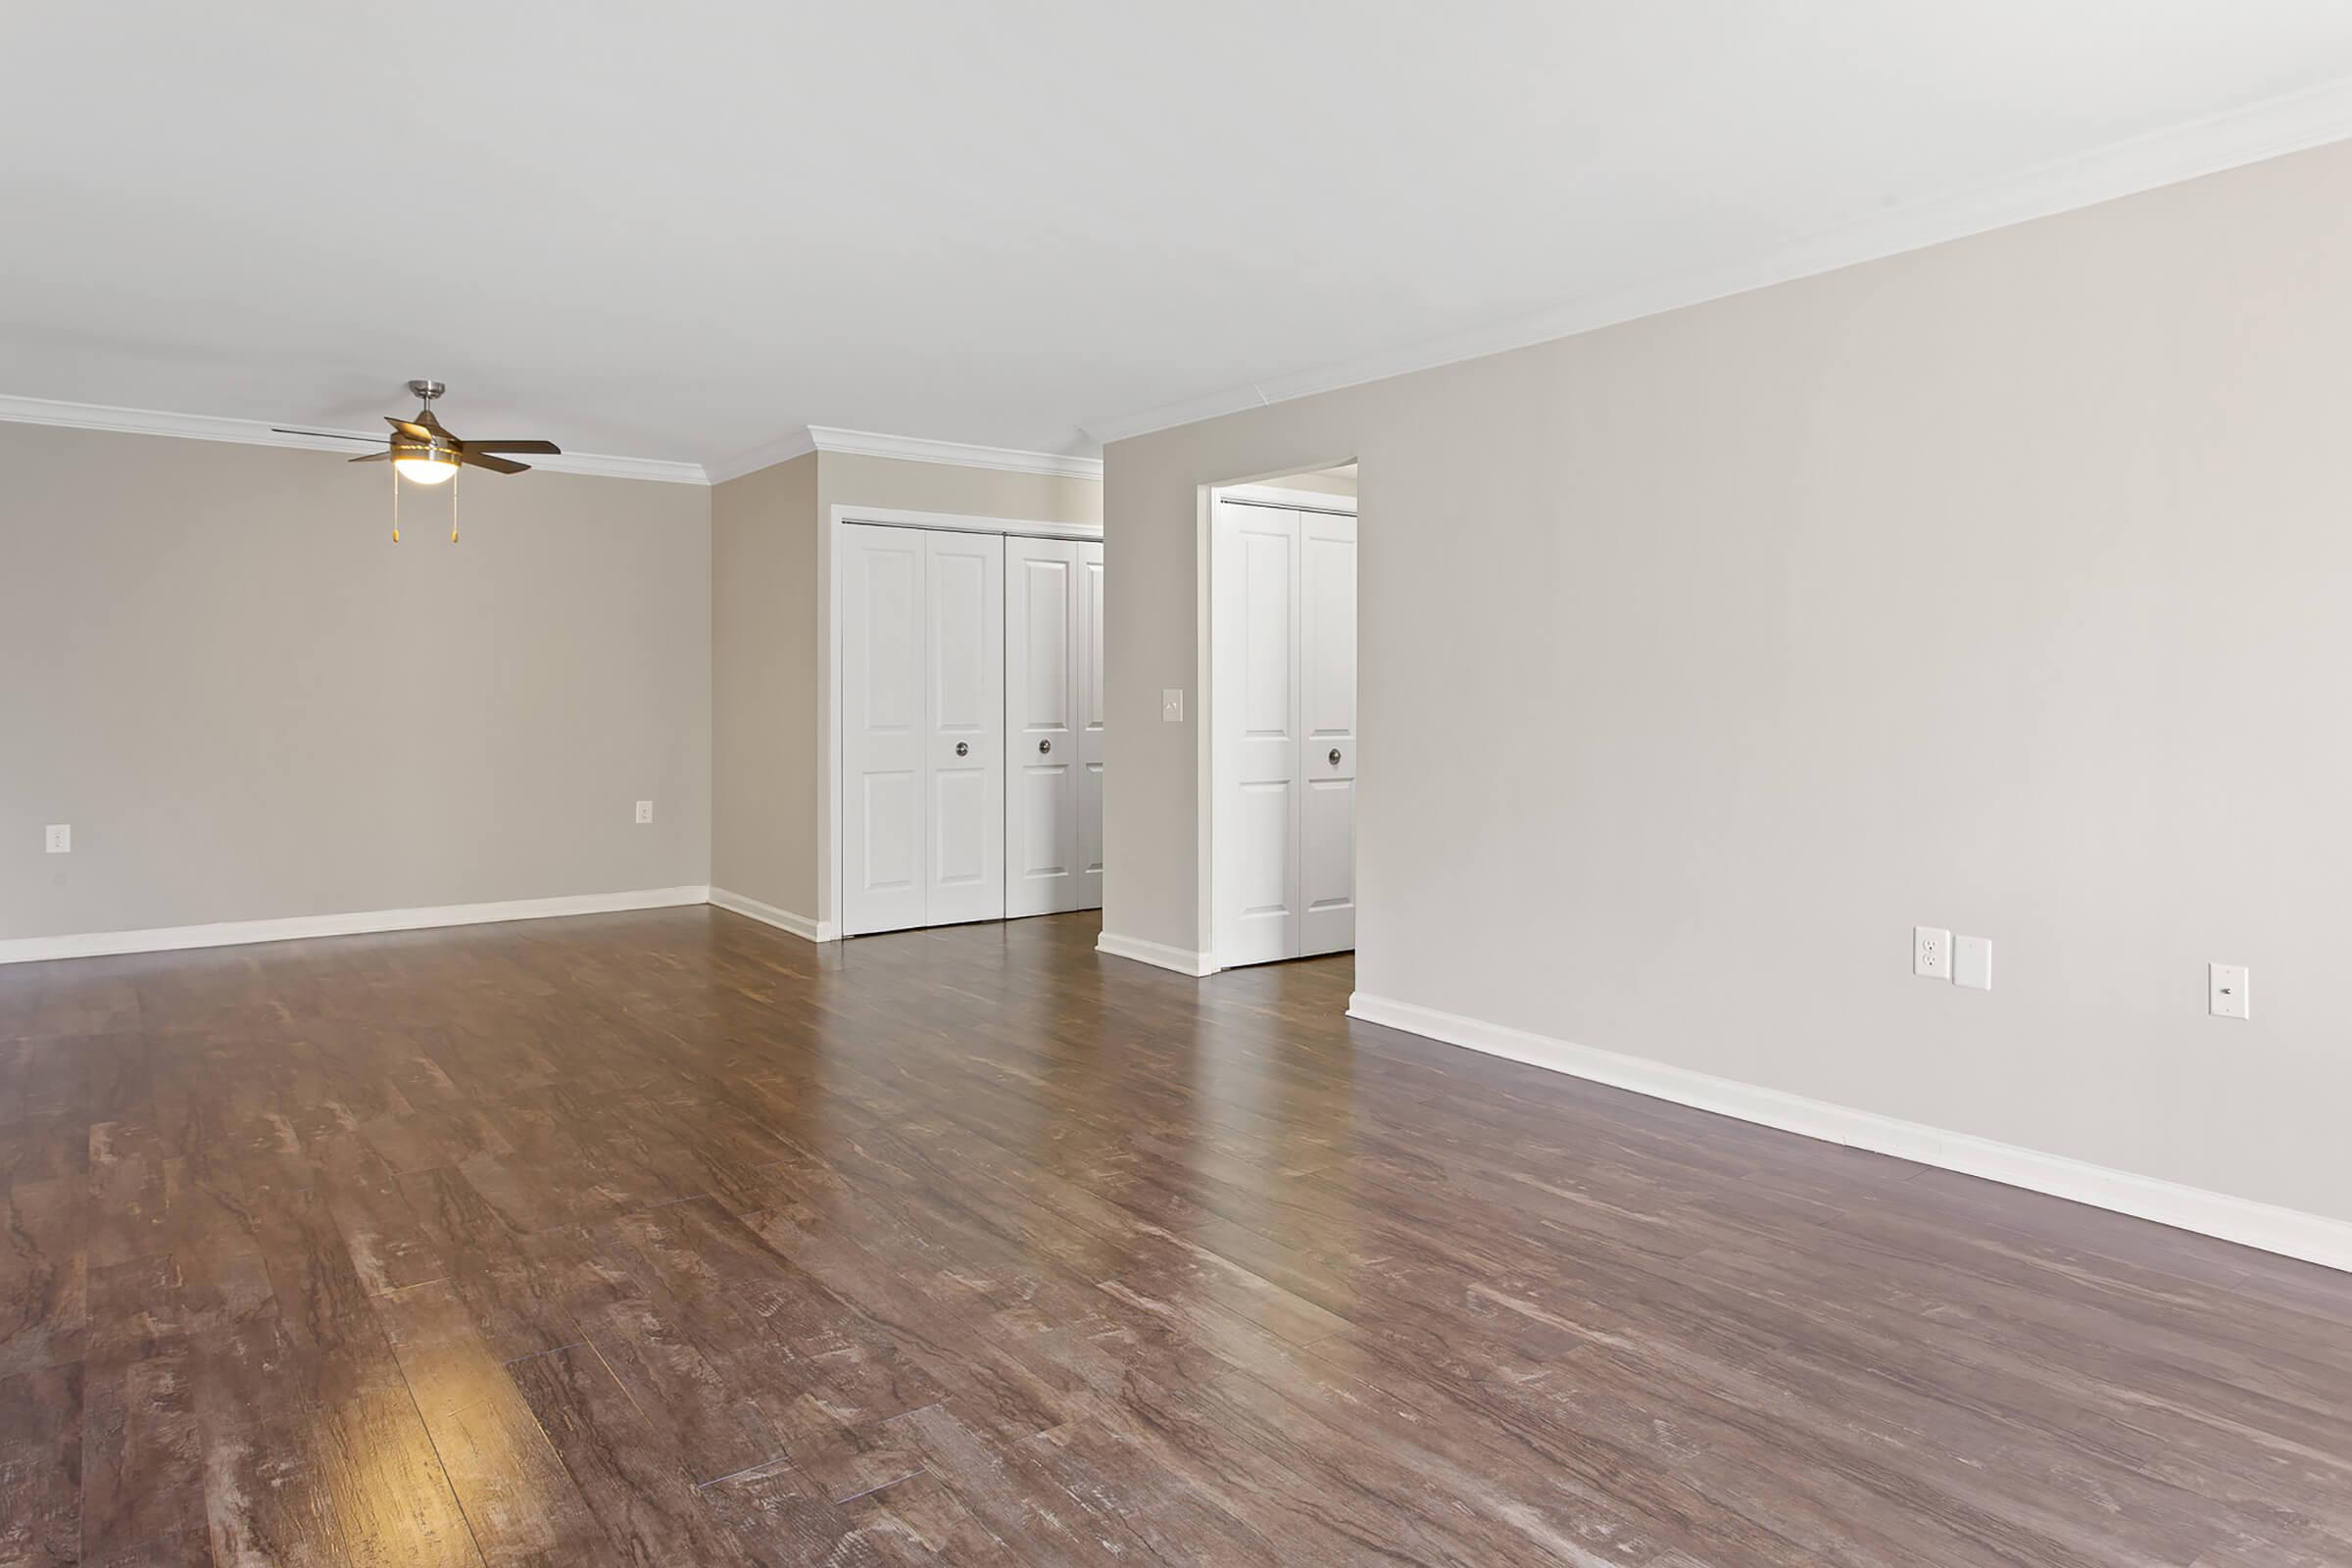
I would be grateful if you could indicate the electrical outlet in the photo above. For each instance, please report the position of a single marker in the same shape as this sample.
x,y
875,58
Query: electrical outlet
x,y
2227,990
59,838
1931,952
1171,704
1972,962
644,811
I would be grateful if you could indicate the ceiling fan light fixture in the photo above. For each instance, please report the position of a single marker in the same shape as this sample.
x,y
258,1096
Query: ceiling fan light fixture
x,y
426,465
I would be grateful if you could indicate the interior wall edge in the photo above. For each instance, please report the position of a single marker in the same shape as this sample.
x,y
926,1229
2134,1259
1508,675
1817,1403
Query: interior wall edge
x,y
2270,1227
1182,960
803,926
300,927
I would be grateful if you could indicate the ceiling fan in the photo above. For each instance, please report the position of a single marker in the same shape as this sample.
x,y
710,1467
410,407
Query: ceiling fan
x,y
421,450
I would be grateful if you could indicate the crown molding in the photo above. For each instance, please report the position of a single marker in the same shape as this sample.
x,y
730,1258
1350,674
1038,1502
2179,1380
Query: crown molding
x,y
783,449
911,449
914,449
2272,128
792,443
253,433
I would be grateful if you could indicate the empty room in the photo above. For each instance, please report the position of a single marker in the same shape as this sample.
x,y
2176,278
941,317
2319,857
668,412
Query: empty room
x,y
1005,784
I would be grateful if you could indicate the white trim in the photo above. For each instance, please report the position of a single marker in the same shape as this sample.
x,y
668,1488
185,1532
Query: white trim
x,y
800,925
2231,139
795,443
914,449
783,449
959,523
2289,1232
253,433
810,438
1156,953
236,933
1272,495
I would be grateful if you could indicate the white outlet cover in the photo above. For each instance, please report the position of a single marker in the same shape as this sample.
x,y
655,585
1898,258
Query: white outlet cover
x,y
2228,989
1931,952
58,838
1972,962
1171,704
645,811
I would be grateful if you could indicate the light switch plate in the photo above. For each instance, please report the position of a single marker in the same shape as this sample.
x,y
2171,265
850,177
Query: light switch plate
x,y
1972,962
58,838
1931,952
2228,993
1171,705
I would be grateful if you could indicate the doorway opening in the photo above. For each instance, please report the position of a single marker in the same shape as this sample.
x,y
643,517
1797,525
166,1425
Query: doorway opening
x,y
1282,724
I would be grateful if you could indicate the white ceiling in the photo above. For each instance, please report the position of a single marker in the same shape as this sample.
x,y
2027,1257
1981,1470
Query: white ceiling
x,y
678,230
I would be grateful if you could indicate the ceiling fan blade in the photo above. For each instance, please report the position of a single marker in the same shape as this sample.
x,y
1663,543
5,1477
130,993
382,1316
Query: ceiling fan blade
x,y
548,448
414,432
374,456
424,416
494,465
337,435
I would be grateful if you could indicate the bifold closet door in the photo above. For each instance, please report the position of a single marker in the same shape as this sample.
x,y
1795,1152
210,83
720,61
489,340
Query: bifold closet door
x,y
922,728
964,675
884,730
1053,726
1254,631
1283,667
1327,729
1090,726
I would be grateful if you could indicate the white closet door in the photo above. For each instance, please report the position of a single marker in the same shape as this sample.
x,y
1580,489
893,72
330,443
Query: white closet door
x,y
963,677
1042,726
1327,714
1254,670
1090,726
883,729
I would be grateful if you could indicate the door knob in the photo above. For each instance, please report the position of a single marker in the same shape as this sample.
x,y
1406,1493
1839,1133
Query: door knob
x,y
964,748
1045,745
1334,757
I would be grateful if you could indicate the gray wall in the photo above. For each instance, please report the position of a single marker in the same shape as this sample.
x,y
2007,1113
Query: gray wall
x,y
2000,586
250,704
763,597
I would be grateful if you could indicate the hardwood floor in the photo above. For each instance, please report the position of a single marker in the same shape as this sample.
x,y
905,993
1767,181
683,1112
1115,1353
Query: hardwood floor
x,y
666,1238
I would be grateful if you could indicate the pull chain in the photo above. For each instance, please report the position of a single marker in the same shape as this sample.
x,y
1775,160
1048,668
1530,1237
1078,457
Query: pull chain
x,y
452,505
394,472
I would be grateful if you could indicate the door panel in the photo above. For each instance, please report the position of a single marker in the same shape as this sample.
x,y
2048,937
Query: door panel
x,y
1327,704
1041,831
1090,726
964,717
1255,707
1283,669
882,729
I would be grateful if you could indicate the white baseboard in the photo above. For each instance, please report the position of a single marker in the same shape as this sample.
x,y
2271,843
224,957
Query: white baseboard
x,y
236,933
800,925
2291,1231
1180,959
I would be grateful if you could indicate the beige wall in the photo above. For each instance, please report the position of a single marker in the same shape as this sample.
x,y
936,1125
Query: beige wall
x,y
250,704
846,478
2001,586
1327,482
764,593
